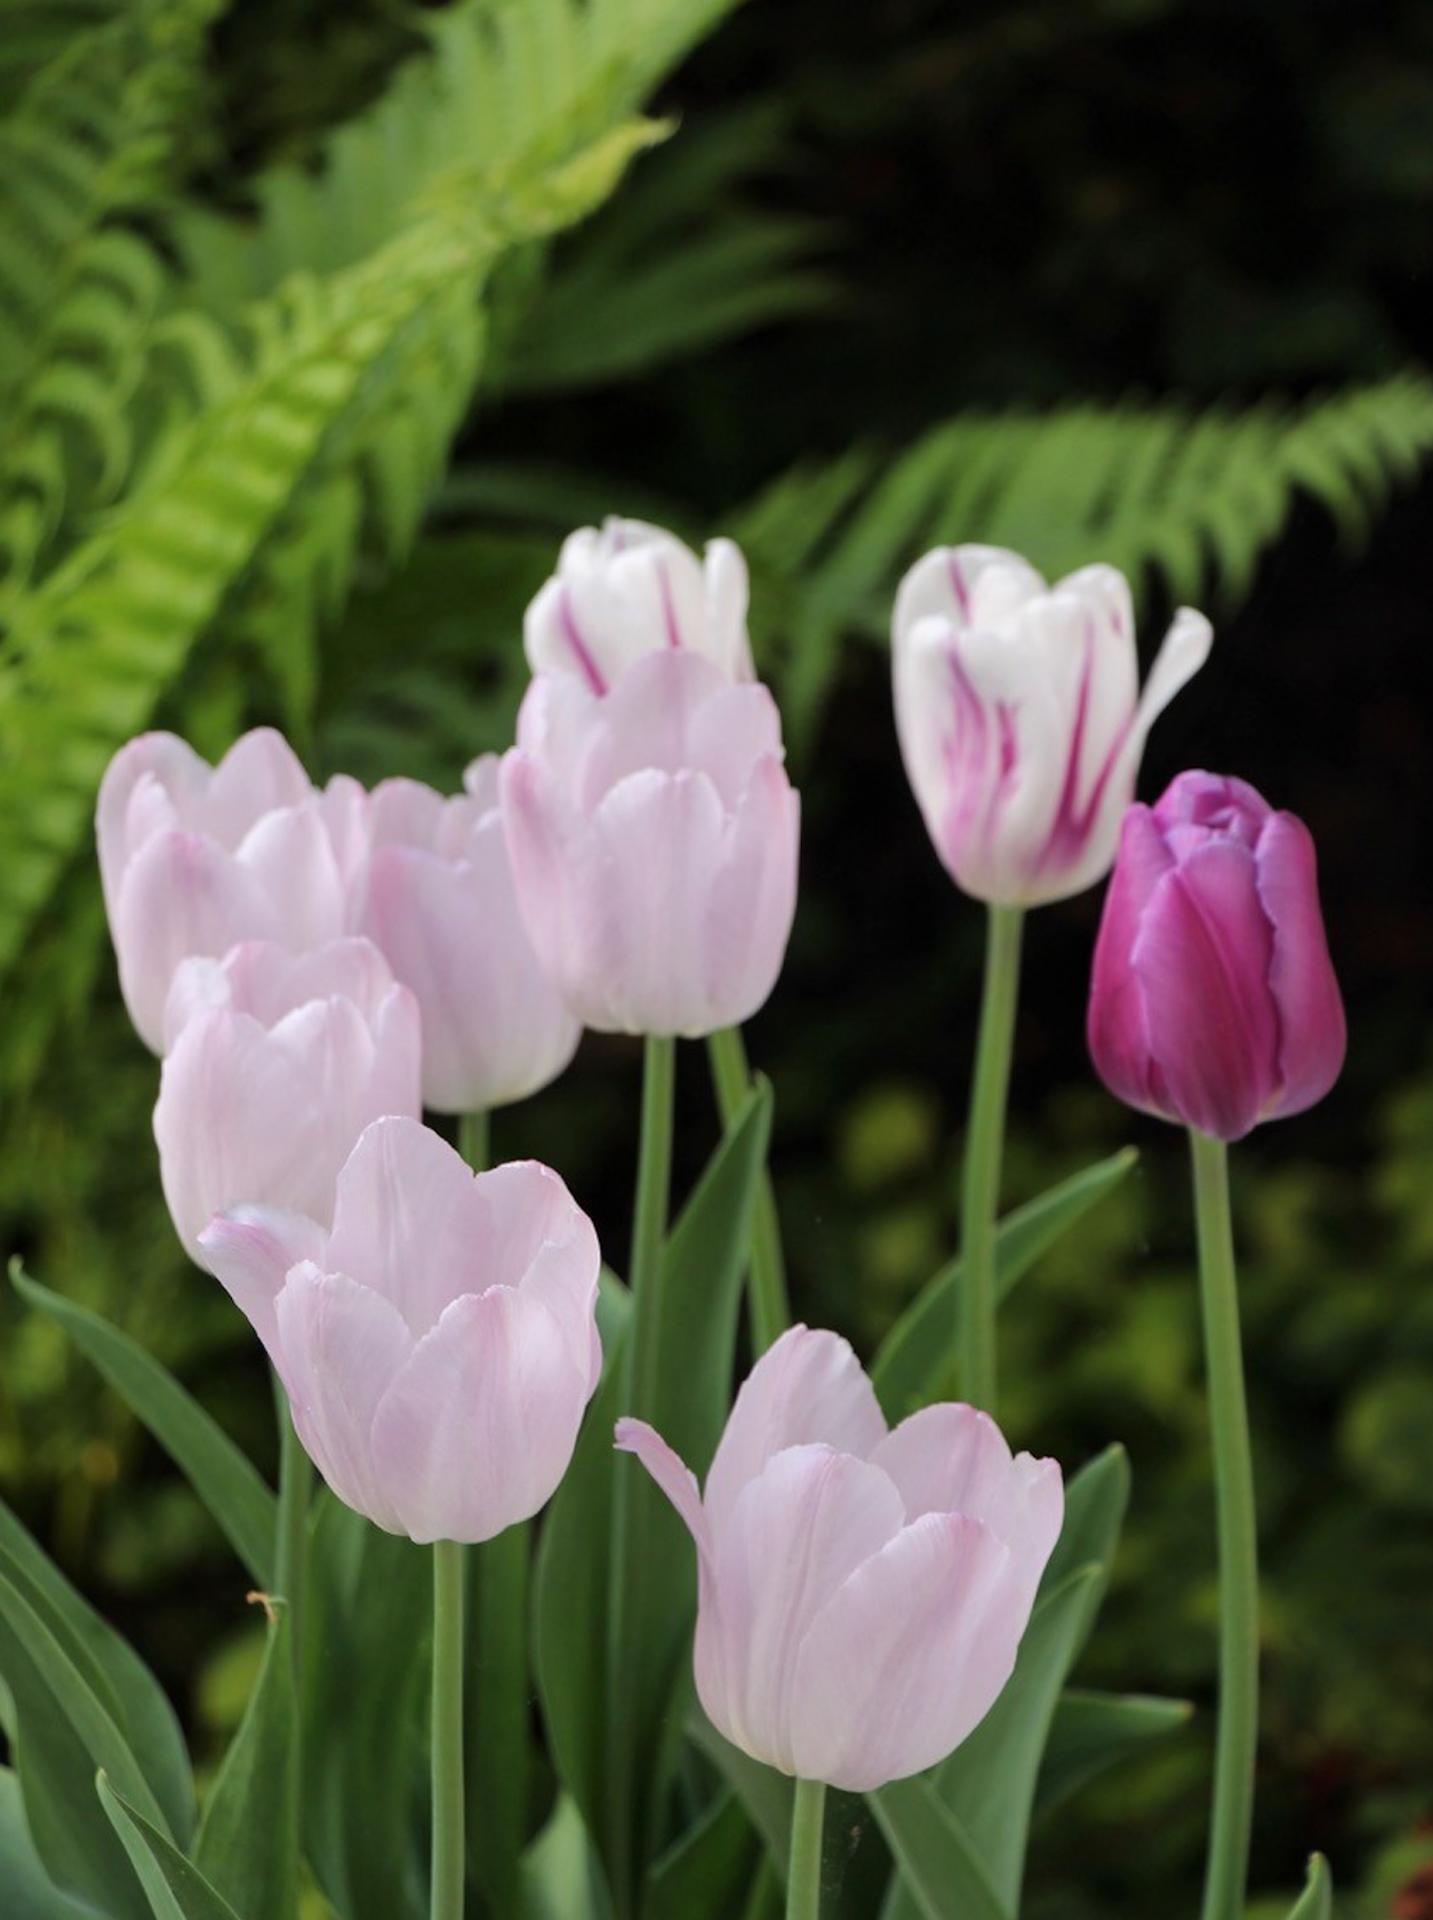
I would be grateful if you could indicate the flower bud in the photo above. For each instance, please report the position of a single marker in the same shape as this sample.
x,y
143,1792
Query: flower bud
x,y
1213,999
1020,717
862,1593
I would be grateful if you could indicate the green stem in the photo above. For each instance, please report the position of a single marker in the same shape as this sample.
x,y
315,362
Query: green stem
x,y
474,1139
1228,1864
447,1728
631,1596
803,1884
770,1309
291,1542
984,1141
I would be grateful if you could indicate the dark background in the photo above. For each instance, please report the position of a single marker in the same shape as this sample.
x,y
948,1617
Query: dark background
x,y
1011,205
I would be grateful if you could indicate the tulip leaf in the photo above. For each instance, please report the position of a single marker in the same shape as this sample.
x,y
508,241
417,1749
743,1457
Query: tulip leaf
x,y
909,1369
938,1865
173,1886
561,1879
63,1733
706,1873
248,1840
1096,1502
370,1603
1093,1732
114,1671
766,1794
1316,1900
29,1892
220,1474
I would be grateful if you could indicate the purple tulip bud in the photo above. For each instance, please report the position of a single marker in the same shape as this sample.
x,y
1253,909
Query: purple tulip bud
x,y
1213,1000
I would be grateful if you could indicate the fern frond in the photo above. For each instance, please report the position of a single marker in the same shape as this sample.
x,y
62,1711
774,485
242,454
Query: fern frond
x,y
1189,498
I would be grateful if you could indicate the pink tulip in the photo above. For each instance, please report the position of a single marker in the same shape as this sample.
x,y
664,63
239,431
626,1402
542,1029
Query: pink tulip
x,y
862,1593
276,1063
653,835
439,1346
1020,717
194,858
440,903
1213,1000
630,589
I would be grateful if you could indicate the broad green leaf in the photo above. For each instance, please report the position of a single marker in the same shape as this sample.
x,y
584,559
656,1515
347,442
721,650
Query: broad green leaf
x,y
369,1611
1092,1732
908,1371
766,1794
248,1840
113,1669
561,1878
706,1873
502,1761
64,1734
220,1474
1096,1502
29,1892
937,1861
173,1886
1316,1900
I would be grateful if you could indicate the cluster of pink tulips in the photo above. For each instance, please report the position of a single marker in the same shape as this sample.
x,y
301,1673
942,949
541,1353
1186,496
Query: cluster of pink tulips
x,y
316,967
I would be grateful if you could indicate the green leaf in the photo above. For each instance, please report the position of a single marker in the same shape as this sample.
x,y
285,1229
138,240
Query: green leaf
x,y
30,1894
1316,1900
248,1840
706,1873
907,1371
561,1878
1093,1732
766,1794
220,1474
64,1732
113,1669
174,1886
1096,1502
936,1858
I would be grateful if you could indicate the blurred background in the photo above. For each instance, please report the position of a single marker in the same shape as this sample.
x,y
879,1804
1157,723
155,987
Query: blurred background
x,y
1140,280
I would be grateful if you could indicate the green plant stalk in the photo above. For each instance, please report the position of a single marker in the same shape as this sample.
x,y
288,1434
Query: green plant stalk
x,y
449,1858
1233,1810
630,1595
803,1880
769,1306
984,1143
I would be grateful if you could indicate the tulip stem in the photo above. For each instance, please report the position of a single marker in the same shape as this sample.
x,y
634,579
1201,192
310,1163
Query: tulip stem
x,y
803,1884
475,1139
1232,1820
770,1309
984,1142
291,1543
447,1729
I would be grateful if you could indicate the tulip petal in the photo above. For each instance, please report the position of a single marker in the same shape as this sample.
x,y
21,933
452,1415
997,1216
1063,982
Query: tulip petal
x,y
1313,1035
536,1238
753,897
1183,652
259,774
341,1346
171,775
1117,1028
291,855
727,591
907,1658
808,1387
250,1251
478,1428
672,1475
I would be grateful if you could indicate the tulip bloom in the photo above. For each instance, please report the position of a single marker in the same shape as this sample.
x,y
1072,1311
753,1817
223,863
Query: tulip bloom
x,y
1213,999
439,1346
653,835
440,903
862,1592
631,589
195,858
1020,717
277,1062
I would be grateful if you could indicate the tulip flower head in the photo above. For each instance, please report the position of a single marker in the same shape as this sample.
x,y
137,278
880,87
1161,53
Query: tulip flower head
x,y
1213,999
438,1347
276,1063
627,589
653,835
1020,717
195,858
862,1593
440,902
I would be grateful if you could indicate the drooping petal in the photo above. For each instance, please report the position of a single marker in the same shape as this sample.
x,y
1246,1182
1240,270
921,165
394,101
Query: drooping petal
x,y
250,1251
1184,650
672,1475
1312,1032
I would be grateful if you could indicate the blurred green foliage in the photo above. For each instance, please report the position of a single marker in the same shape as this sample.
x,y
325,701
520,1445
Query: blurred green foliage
x,y
905,272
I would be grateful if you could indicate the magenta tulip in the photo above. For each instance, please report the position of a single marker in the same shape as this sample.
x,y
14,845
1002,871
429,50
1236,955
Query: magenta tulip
x,y
653,835
1020,717
862,1593
439,1346
1213,1000
629,589
195,858
440,903
277,1062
